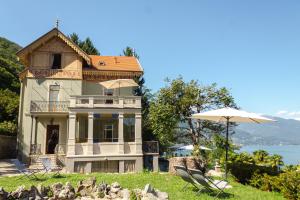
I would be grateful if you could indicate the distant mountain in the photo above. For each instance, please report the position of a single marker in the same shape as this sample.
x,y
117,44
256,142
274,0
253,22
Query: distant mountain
x,y
283,131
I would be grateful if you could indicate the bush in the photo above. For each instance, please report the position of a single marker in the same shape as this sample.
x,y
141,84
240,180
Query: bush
x,y
8,128
243,167
287,183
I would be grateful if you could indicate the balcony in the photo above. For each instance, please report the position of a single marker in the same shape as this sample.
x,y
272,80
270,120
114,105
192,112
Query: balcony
x,y
49,106
150,147
86,101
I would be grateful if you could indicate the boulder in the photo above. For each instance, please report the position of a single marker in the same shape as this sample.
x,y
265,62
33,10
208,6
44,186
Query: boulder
x,y
3,194
20,193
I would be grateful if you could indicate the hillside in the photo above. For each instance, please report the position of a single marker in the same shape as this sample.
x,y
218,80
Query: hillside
x,y
283,131
9,86
9,65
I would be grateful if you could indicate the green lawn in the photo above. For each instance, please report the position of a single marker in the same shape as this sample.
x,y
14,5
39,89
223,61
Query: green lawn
x,y
164,182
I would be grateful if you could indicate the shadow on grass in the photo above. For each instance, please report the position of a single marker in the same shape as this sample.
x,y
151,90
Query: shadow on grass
x,y
223,195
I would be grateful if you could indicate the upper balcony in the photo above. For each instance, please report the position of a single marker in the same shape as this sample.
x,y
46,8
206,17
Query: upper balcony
x,y
85,101
97,101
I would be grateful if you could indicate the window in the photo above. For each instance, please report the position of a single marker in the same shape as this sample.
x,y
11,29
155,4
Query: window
x,y
81,134
53,97
129,128
108,132
56,61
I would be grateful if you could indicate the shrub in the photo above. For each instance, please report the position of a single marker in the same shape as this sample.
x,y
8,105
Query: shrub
x,y
287,183
8,128
243,167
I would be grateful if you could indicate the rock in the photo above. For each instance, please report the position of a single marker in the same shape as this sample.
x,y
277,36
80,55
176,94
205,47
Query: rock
x,y
89,182
125,194
43,190
3,194
34,193
149,196
162,195
148,189
115,190
20,193
115,185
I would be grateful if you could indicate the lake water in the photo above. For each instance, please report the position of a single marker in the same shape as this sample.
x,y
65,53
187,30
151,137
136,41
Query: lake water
x,y
290,153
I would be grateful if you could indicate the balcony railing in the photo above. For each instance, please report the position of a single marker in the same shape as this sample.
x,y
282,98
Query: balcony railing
x,y
35,149
150,147
105,101
49,106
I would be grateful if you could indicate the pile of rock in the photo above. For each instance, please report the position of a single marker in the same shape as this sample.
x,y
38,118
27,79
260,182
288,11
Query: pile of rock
x,y
85,190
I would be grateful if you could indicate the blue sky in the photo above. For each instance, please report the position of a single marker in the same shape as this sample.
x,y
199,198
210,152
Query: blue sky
x,y
252,47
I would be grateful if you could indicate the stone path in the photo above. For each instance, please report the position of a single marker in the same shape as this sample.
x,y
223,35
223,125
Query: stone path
x,y
7,168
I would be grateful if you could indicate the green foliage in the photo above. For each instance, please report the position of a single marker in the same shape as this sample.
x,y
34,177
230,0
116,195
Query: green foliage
x,y
86,45
10,67
243,166
288,183
173,105
128,51
8,128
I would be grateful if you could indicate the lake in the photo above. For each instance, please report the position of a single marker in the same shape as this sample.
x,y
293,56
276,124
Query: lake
x,y
290,153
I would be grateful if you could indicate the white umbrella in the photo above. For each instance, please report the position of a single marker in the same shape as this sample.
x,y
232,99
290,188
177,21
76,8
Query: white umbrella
x,y
191,147
230,115
119,83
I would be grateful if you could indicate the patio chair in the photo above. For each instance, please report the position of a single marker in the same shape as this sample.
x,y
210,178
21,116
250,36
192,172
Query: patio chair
x,y
48,167
30,174
207,182
184,174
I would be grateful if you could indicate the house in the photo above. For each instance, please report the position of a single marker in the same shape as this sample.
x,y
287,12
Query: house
x,y
67,115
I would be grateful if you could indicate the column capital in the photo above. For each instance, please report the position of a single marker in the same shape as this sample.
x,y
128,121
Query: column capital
x,y
91,114
72,115
121,114
138,115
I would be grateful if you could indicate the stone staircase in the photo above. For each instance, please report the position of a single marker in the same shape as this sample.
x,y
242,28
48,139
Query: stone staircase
x,y
36,163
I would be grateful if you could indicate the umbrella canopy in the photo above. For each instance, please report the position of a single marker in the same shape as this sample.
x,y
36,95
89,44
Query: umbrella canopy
x,y
119,83
230,115
191,147
234,115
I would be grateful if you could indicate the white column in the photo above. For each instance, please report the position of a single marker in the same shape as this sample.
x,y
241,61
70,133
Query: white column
x,y
155,163
72,129
90,133
121,133
138,133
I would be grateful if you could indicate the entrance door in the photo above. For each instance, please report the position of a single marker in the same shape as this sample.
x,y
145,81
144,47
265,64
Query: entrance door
x,y
52,138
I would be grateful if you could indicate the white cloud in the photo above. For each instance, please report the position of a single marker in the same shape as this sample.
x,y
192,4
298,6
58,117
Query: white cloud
x,y
281,112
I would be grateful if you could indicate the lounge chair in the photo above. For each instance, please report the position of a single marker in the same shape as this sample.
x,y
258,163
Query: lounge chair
x,y
48,167
30,174
207,182
184,174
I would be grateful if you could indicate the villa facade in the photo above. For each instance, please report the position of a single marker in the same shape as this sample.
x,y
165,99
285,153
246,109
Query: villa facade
x,y
65,112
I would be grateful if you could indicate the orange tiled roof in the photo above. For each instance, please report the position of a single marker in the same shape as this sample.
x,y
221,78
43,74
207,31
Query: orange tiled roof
x,y
116,63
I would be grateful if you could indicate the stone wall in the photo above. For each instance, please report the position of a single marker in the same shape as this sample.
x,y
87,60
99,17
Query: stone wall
x,y
189,162
8,147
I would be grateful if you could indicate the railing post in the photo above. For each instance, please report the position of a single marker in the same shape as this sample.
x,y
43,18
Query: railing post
x,y
72,101
138,102
91,102
121,102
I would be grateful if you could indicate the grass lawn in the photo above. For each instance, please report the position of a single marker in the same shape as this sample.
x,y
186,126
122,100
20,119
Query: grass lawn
x,y
164,182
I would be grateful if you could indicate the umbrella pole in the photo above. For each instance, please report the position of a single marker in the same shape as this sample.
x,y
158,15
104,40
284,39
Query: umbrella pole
x,y
226,146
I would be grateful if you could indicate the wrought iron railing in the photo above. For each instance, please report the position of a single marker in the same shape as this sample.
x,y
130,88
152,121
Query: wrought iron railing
x,y
49,106
35,149
150,147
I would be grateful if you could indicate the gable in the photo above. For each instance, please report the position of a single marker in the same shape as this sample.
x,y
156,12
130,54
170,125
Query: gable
x,y
24,54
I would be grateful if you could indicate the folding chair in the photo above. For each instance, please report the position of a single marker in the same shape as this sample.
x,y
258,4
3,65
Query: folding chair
x,y
184,174
30,174
48,167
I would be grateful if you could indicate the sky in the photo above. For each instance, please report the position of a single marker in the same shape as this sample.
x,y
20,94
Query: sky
x,y
252,47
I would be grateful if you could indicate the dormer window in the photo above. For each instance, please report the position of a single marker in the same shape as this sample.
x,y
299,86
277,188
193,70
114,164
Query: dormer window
x,y
101,63
56,61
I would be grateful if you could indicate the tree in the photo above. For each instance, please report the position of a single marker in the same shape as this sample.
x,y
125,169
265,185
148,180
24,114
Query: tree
x,y
174,104
86,45
276,161
260,155
145,94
